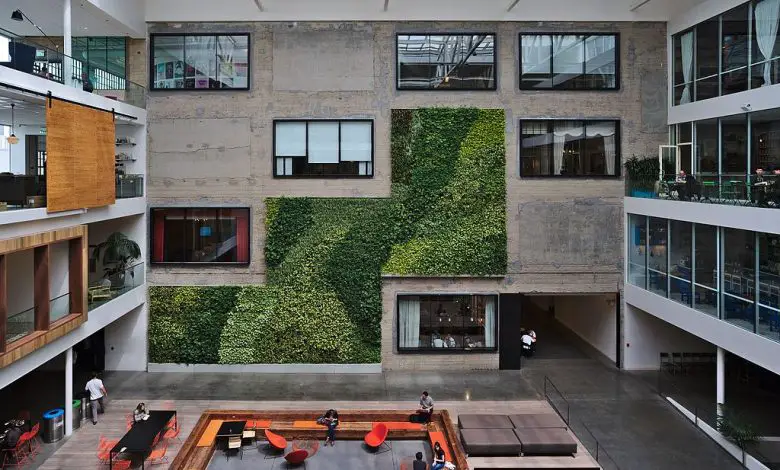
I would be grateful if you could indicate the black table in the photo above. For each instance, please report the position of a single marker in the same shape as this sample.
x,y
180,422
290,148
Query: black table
x,y
231,429
140,437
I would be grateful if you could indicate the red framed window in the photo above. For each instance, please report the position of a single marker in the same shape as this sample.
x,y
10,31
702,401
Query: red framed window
x,y
200,235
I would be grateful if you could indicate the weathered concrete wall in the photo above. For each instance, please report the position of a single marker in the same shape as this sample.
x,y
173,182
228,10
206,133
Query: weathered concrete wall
x,y
137,62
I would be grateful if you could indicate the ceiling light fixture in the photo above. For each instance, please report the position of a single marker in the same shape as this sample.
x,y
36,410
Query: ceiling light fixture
x,y
18,15
12,139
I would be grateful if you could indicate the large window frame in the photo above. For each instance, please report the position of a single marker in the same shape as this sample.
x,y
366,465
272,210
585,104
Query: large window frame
x,y
154,241
430,349
584,122
216,36
585,34
398,85
369,173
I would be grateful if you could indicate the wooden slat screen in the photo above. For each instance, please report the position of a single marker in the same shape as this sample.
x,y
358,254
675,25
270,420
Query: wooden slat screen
x,y
80,146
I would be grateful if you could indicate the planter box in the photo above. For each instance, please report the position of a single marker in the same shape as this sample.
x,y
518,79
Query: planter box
x,y
643,193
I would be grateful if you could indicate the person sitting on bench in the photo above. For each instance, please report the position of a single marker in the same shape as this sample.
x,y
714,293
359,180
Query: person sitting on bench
x,y
426,407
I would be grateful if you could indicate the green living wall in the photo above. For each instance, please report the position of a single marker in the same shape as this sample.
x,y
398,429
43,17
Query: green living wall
x,y
322,301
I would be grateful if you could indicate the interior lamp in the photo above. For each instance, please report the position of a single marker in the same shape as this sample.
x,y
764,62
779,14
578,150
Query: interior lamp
x,y
12,139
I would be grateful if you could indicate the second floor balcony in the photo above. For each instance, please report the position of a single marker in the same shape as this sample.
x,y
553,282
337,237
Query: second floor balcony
x,y
731,189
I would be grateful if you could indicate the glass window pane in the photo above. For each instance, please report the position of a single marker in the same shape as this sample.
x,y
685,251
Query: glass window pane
x,y
355,141
707,147
600,61
168,51
766,44
739,277
536,148
769,269
201,235
599,150
568,57
684,67
707,48
734,147
765,153
233,61
735,42
290,139
637,257
201,62
414,69
446,61
707,88
680,256
679,76
657,257
323,142
536,57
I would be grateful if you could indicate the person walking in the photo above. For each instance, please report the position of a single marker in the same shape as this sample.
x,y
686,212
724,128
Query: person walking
x,y
97,391
331,421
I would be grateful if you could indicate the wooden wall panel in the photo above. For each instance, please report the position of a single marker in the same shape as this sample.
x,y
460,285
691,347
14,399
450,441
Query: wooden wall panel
x,y
77,274
3,302
41,287
28,242
80,145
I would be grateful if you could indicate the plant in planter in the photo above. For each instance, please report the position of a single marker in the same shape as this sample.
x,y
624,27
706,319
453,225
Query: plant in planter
x,y
118,251
735,429
643,175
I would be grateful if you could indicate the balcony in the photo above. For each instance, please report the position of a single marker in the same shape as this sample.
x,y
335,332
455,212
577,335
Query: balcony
x,y
22,324
32,58
734,190
28,192
115,286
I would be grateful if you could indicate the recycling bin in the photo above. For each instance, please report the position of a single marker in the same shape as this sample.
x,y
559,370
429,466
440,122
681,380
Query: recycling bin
x,y
53,425
76,414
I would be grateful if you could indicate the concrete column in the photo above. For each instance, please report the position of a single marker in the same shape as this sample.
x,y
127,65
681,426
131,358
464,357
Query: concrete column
x,y
69,392
67,64
720,378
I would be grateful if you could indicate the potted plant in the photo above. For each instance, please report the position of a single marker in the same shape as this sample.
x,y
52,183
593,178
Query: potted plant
x,y
643,175
736,430
118,251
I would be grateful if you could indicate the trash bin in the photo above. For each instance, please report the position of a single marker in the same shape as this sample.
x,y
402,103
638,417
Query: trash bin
x,y
85,412
76,414
53,425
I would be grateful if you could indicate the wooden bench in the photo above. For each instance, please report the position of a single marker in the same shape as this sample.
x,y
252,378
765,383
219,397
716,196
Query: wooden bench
x,y
207,439
401,426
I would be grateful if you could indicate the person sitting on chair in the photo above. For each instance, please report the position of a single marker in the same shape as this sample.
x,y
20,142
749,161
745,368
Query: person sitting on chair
x,y
438,457
140,413
419,463
426,407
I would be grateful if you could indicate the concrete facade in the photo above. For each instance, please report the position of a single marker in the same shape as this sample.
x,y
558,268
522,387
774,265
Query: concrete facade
x,y
564,235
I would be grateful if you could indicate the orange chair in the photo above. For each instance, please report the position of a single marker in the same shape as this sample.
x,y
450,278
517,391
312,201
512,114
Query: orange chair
x,y
297,457
35,438
172,433
275,441
19,454
122,464
377,437
157,456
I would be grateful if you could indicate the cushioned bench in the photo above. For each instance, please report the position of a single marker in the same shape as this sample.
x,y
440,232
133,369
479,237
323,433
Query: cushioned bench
x,y
484,422
545,420
401,426
438,436
487,442
546,441
208,436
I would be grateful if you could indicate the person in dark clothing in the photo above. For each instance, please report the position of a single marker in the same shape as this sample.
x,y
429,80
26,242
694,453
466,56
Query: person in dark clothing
x,y
12,437
419,464
331,421
439,457
86,84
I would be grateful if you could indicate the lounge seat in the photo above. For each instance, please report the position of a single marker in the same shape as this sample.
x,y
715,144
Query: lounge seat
x,y
544,420
546,441
208,436
484,422
490,442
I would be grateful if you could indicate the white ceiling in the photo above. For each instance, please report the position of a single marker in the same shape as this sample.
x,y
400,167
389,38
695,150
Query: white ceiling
x,y
28,110
417,10
86,19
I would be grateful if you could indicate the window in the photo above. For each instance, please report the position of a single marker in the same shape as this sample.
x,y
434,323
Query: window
x,y
766,44
734,147
199,62
657,256
446,61
569,148
637,256
707,59
735,40
445,323
200,235
569,62
705,250
769,285
323,148
680,259
739,277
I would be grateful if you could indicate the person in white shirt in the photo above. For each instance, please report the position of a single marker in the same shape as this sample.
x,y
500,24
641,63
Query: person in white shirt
x,y
96,391
527,345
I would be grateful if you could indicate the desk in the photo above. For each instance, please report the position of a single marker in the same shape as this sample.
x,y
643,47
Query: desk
x,y
141,436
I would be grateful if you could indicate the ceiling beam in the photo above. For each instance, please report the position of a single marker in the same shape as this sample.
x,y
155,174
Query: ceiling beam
x,y
512,5
259,5
639,5
387,3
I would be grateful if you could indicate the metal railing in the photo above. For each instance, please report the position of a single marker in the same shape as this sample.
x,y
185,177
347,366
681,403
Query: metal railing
x,y
561,405
20,325
738,190
36,59
59,307
128,186
115,285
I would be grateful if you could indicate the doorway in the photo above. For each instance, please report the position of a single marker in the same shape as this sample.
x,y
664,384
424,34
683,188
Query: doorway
x,y
509,324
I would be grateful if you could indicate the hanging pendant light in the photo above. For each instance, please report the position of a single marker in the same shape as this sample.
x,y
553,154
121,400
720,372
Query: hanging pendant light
x,y
12,139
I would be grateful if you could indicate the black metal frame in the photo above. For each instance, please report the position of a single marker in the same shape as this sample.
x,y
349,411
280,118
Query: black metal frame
x,y
198,263
398,86
153,69
306,156
618,158
576,33
432,350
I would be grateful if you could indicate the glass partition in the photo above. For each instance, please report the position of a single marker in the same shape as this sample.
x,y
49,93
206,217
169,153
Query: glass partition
x,y
680,259
706,272
769,285
657,259
739,278
59,307
111,287
19,325
637,250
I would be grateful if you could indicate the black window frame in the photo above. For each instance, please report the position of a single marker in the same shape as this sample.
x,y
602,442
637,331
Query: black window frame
x,y
398,86
618,157
199,263
329,176
433,350
552,75
152,67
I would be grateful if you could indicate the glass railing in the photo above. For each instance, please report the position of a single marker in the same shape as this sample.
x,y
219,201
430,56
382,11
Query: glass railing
x,y
739,190
36,59
22,191
115,285
128,186
20,325
59,307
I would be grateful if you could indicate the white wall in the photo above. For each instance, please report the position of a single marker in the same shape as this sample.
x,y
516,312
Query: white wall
x,y
592,318
759,99
135,229
126,341
59,254
700,12
20,282
18,151
128,12
646,337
